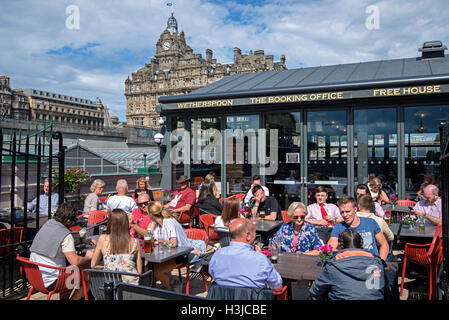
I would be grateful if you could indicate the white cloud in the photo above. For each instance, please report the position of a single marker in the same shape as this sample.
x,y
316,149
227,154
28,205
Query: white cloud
x,y
124,33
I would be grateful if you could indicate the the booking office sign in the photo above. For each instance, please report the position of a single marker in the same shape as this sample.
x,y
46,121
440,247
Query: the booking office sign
x,y
311,97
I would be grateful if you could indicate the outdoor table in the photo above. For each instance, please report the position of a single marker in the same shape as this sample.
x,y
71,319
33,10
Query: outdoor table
x,y
406,232
297,267
162,253
266,227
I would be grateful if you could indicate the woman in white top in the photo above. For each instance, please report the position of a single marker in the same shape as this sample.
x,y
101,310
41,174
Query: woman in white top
x,y
167,231
231,210
375,188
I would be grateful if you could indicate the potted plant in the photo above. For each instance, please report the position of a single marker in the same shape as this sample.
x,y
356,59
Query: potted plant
x,y
325,254
410,221
73,179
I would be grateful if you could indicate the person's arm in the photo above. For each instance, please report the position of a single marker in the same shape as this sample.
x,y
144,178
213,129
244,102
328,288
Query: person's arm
x,y
432,219
185,207
320,222
32,205
139,260
321,286
384,248
96,258
384,197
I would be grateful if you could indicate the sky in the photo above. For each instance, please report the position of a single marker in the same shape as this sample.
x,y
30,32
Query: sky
x,y
87,48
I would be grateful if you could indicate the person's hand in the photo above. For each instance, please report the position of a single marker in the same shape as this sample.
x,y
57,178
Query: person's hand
x,y
130,218
330,219
257,248
419,213
322,222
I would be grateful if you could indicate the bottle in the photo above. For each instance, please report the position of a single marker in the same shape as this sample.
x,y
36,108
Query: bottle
x,y
422,225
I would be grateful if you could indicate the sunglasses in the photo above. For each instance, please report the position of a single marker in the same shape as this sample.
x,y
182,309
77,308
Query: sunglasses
x,y
302,217
142,204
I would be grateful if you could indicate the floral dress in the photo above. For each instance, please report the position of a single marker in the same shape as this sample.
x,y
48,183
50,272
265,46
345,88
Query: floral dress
x,y
126,262
306,240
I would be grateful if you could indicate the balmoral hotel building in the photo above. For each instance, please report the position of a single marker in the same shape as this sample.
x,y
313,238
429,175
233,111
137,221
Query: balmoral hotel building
x,y
175,70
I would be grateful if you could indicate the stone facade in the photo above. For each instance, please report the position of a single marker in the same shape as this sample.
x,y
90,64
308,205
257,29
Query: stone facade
x,y
176,69
14,104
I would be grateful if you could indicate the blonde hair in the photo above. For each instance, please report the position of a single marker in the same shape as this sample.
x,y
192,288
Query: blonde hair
x,y
156,210
96,183
295,205
211,179
141,179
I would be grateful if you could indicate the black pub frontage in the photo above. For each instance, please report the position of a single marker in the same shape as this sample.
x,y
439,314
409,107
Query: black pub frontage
x,y
330,125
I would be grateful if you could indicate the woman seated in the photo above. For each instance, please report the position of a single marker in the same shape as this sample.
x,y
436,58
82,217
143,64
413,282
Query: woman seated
x,y
167,231
142,187
297,235
352,274
119,250
231,210
92,202
207,200
377,193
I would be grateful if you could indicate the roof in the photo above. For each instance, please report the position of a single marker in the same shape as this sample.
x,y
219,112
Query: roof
x,y
341,76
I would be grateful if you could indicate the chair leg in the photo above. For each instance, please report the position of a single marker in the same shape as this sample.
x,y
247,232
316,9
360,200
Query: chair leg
x,y
403,274
30,292
179,272
188,279
204,279
430,277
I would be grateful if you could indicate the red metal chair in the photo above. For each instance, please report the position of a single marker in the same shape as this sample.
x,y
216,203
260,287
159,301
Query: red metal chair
x,y
5,239
240,196
208,222
93,218
186,217
427,255
281,295
103,199
35,278
406,203
285,216
194,234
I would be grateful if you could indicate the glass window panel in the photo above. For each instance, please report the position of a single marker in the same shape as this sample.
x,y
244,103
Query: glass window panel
x,y
177,169
375,153
422,147
285,185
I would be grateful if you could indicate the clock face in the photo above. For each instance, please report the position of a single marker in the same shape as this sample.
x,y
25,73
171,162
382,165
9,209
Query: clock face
x,y
166,45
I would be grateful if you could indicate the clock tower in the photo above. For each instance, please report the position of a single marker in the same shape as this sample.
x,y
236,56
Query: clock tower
x,y
170,46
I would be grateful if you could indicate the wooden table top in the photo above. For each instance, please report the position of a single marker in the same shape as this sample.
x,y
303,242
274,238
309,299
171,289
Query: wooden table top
x,y
298,266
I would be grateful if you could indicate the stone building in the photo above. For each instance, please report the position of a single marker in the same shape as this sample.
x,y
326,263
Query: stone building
x,y
14,104
65,109
176,69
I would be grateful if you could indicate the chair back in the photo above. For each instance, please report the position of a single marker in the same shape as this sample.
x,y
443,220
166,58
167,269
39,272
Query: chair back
x,y
224,236
102,199
433,250
196,234
186,217
281,295
240,196
285,216
208,221
127,291
157,195
99,276
406,203
217,292
5,239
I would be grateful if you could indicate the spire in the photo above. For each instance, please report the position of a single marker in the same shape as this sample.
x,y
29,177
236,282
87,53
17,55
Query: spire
x,y
172,24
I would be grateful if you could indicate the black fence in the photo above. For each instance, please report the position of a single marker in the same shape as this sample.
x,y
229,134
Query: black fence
x,y
24,164
444,149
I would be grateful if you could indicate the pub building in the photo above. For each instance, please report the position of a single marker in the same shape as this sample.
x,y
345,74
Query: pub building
x,y
336,126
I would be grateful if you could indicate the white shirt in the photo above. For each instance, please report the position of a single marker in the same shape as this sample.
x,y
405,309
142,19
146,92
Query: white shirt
x,y
50,275
249,195
125,203
171,229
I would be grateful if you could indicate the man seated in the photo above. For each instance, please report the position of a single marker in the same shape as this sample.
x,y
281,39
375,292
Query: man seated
x,y
121,200
265,203
54,244
376,208
364,204
139,219
239,265
430,206
366,227
43,200
257,180
324,216
184,198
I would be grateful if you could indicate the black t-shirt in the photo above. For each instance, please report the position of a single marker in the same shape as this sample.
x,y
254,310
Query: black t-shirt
x,y
211,205
269,205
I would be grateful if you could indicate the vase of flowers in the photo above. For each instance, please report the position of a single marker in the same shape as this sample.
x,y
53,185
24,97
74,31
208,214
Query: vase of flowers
x,y
394,202
409,221
326,252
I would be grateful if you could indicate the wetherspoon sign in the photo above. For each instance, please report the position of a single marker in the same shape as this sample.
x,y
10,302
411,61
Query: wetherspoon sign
x,y
311,97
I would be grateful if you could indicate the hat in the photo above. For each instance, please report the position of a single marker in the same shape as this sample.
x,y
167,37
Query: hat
x,y
182,179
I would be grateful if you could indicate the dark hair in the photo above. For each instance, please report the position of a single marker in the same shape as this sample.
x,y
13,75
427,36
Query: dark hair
x,y
256,188
257,177
207,191
321,189
349,238
346,200
231,211
118,230
65,212
363,187
365,202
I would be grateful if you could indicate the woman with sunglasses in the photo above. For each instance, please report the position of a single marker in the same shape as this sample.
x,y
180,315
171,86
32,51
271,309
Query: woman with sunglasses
x,y
377,192
297,235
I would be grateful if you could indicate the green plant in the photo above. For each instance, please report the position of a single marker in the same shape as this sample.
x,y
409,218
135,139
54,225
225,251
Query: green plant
x,y
409,220
73,178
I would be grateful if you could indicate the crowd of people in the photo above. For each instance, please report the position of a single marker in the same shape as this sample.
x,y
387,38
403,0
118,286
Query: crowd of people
x,y
354,228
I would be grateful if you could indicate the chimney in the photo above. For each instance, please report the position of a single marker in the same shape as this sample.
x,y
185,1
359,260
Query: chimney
x,y
269,62
237,54
432,49
208,55
259,54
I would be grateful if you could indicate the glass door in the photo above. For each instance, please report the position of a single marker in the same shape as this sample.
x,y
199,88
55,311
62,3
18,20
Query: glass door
x,y
327,147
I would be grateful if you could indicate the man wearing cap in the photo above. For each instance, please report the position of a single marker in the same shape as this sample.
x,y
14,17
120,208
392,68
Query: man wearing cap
x,y
184,197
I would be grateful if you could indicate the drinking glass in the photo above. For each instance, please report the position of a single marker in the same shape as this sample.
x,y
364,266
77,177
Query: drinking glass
x,y
387,218
262,215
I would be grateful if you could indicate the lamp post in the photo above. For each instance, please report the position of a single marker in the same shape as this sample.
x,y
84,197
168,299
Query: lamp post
x,y
159,139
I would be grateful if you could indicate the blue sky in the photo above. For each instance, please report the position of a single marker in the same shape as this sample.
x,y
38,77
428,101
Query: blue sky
x,y
117,37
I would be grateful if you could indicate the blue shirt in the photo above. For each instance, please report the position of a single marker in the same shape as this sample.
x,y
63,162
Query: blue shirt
x,y
239,265
367,228
307,238
43,203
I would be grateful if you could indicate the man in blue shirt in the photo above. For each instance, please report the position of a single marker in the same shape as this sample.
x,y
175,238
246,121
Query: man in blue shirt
x,y
366,227
43,200
239,265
